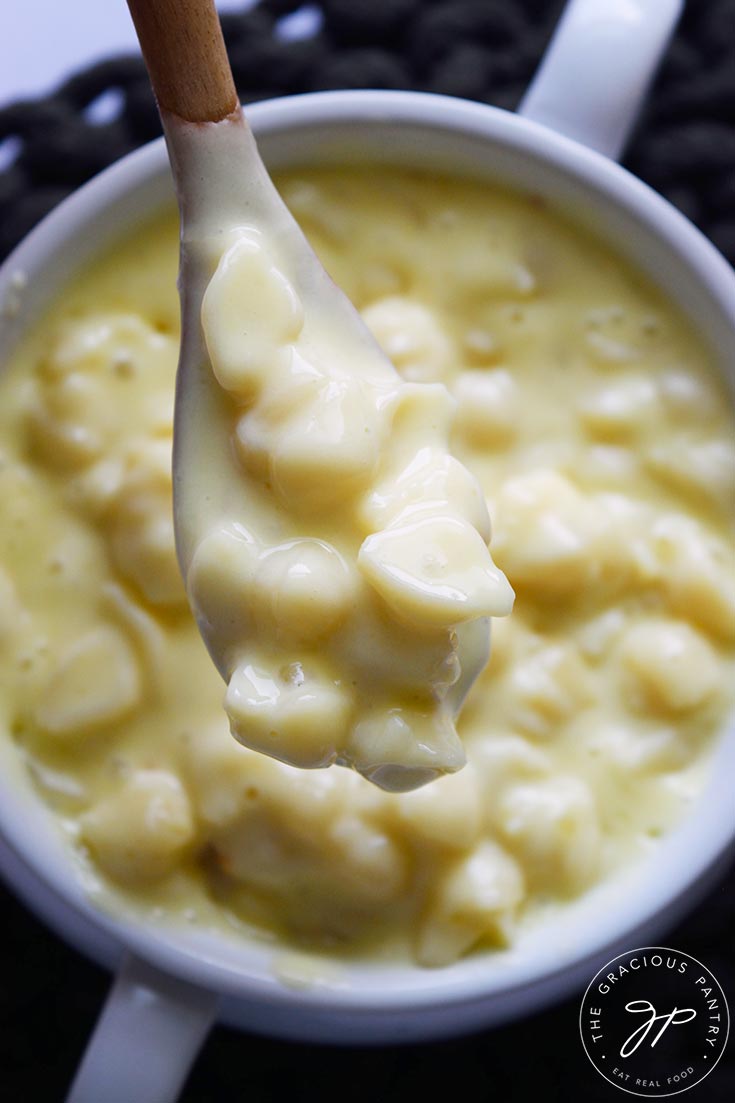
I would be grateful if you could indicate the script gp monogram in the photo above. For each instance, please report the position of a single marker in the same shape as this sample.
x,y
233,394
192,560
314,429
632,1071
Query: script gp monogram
x,y
673,1018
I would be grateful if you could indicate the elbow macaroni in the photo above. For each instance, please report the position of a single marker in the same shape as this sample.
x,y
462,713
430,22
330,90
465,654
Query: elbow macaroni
x,y
600,439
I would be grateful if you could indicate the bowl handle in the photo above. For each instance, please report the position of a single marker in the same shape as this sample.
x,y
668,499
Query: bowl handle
x,y
597,69
150,1030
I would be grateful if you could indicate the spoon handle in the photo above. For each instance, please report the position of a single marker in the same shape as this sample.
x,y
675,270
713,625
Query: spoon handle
x,y
185,54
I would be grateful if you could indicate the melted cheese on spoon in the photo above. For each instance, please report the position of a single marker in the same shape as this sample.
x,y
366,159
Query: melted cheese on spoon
x,y
335,552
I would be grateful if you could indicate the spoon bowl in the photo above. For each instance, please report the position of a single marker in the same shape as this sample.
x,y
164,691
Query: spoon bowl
x,y
289,420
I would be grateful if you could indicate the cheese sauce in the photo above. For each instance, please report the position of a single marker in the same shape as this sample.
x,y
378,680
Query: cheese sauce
x,y
335,552
603,443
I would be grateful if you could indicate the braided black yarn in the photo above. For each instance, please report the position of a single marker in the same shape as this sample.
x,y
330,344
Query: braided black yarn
x,y
487,50
480,49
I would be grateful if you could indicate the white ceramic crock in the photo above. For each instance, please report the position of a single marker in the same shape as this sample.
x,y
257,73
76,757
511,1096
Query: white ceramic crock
x,y
172,983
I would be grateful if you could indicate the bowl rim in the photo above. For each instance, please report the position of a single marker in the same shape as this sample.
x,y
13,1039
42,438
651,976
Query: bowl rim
x,y
616,186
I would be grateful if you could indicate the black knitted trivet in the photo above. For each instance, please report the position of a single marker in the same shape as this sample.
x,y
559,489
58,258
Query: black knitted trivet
x,y
480,49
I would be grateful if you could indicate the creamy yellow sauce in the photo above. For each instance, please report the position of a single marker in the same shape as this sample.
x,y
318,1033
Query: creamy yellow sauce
x,y
335,553
603,442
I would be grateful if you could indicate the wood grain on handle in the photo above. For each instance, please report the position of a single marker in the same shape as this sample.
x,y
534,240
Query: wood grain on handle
x,y
186,58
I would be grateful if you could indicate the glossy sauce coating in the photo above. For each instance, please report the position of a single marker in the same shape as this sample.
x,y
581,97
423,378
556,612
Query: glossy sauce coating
x,y
345,593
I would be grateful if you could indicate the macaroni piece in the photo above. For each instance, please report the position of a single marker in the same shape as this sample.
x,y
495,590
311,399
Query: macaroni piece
x,y
599,438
